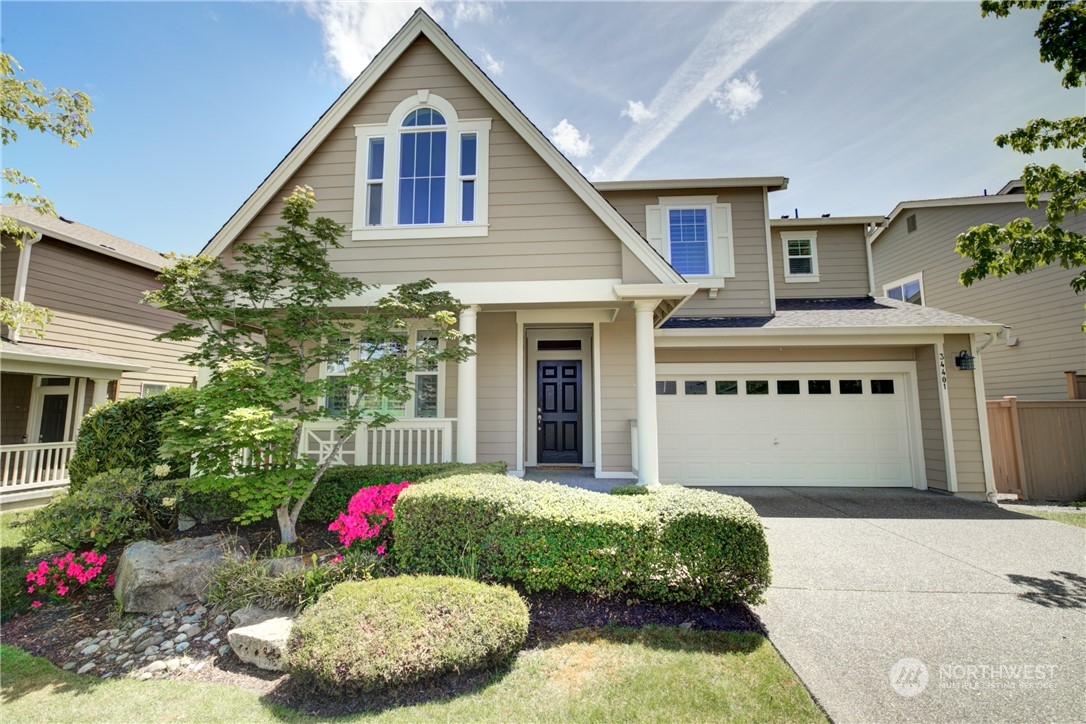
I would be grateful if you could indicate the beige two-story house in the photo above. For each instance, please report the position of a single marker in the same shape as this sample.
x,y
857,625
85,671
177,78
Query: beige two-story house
x,y
914,260
667,330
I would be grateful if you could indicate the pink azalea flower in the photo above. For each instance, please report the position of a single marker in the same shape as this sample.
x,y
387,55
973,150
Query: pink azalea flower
x,y
35,604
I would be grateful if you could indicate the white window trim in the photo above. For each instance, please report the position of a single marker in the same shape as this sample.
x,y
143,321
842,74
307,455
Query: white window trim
x,y
812,236
721,239
919,277
143,387
411,333
390,132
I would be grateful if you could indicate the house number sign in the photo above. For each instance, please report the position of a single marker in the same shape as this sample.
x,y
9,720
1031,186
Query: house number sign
x,y
942,369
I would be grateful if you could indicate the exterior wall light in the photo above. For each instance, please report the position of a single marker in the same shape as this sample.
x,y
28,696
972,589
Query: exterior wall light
x,y
964,361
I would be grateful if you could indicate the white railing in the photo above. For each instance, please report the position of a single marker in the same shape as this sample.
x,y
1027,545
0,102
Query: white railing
x,y
404,442
23,467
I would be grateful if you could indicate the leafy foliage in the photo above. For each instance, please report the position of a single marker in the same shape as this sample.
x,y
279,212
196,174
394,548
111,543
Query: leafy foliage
x,y
1021,246
340,483
13,595
126,434
362,637
268,321
112,507
672,544
630,490
367,523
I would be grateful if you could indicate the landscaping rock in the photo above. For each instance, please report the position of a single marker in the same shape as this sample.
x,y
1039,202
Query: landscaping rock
x,y
263,644
251,614
279,566
152,577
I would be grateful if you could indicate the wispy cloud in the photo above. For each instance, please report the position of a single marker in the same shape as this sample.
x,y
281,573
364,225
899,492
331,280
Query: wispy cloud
x,y
354,32
636,111
742,31
492,64
738,96
570,141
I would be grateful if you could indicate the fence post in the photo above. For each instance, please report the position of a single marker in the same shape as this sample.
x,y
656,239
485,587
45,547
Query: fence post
x,y
1016,435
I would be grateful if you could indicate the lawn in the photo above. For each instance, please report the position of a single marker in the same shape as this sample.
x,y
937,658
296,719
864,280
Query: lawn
x,y
652,674
11,534
1070,517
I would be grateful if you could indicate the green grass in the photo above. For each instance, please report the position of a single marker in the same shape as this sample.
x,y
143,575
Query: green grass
x,y
11,533
1077,518
650,675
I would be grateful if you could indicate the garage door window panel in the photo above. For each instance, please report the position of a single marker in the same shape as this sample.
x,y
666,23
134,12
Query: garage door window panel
x,y
757,387
851,387
727,387
819,387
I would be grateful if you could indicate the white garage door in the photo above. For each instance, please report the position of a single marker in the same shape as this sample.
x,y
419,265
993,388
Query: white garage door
x,y
811,428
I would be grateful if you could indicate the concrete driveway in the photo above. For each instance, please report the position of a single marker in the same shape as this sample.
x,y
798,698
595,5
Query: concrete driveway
x,y
901,605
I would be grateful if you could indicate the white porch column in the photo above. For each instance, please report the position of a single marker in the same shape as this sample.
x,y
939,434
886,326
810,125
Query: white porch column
x,y
467,394
648,468
101,387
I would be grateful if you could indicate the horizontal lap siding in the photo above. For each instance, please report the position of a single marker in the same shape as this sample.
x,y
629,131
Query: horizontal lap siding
x,y
96,303
842,264
539,229
618,394
1041,307
497,387
14,407
931,418
968,453
9,266
746,294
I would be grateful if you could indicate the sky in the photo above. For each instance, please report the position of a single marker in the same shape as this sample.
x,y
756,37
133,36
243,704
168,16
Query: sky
x,y
861,105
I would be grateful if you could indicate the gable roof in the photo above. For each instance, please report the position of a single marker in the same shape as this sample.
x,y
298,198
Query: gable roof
x,y
86,237
422,25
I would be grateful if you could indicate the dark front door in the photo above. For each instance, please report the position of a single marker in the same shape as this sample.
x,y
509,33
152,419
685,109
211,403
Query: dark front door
x,y
54,413
559,412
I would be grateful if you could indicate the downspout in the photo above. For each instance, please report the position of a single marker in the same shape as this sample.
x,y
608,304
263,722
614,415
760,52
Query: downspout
x,y
769,253
870,263
22,272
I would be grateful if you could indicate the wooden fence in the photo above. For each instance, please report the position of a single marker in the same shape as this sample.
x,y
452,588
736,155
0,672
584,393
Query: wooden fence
x,y
1076,386
1039,447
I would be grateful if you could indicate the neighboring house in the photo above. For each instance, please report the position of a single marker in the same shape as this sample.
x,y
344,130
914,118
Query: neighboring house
x,y
914,259
664,329
100,345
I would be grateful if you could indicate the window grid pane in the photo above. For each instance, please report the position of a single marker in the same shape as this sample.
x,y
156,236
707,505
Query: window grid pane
x,y
688,231
695,387
422,178
727,387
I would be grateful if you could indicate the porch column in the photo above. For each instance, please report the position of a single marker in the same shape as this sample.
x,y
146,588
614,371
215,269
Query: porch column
x,y
101,388
648,468
467,394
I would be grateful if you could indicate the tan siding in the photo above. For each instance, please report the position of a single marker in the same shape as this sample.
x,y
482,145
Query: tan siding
x,y
968,455
14,407
497,387
539,229
931,420
1045,313
747,294
9,267
618,394
842,264
96,303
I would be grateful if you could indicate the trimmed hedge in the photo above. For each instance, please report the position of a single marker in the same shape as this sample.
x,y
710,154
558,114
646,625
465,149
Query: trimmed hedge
x,y
125,434
338,484
672,544
364,636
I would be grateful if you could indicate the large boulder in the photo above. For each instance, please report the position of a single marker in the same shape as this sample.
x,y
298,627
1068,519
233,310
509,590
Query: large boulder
x,y
153,577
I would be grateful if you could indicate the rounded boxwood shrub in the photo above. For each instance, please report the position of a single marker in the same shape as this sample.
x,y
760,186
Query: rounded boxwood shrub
x,y
670,544
366,635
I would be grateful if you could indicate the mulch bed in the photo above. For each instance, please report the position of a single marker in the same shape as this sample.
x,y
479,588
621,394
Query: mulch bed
x,y
52,631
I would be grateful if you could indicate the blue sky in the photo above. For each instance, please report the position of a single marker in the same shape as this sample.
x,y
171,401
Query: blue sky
x,y
860,105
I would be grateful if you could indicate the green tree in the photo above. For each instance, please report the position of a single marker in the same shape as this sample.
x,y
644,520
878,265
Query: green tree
x,y
268,322
1021,246
26,103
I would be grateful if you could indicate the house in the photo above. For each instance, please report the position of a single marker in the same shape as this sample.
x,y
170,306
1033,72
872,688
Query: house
x,y
100,345
914,259
663,329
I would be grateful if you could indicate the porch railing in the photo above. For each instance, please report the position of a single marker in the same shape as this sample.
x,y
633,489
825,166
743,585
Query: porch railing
x,y
40,465
404,442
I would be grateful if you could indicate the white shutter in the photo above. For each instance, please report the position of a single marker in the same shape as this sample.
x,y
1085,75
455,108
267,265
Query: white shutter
x,y
654,228
723,251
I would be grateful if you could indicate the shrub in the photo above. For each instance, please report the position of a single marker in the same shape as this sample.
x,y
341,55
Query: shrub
x,y
671,545
124,434
369,518
65,576
13,595
365,636
237,582
630,490
339,484
115,506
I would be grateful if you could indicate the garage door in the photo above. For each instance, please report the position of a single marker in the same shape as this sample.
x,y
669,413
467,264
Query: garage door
x,y
827,429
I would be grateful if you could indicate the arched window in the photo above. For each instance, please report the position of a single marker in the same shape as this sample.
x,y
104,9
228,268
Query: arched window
x,y
424,173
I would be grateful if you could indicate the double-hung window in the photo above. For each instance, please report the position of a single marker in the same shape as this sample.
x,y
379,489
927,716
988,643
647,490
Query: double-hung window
x,y
423,173
909,289
800,252
694,234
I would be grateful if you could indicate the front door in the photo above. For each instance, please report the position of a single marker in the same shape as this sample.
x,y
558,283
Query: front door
x,y
559,413
54,418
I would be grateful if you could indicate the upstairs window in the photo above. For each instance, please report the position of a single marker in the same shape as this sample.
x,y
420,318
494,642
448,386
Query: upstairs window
x,y
424,173
910,289
694,234
800,254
